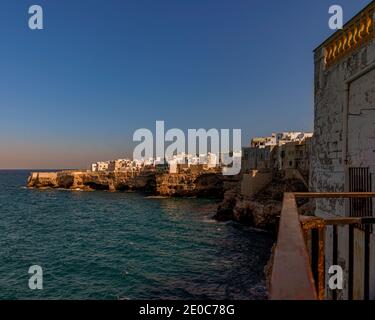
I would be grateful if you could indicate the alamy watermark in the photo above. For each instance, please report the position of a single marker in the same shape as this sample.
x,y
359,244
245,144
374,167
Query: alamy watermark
x,y
227,152
36,278
336,21
36,18
336,281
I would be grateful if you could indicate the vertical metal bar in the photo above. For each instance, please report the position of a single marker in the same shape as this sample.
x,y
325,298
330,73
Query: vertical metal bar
x,y
335,255
359,178
361,187
315,256
351,260
369,200
367,263
350,190
321,264
354,189
367,207
364,189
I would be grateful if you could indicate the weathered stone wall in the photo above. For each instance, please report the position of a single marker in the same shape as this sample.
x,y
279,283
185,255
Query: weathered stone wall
x,y
254,182
191,184
327,170
335,90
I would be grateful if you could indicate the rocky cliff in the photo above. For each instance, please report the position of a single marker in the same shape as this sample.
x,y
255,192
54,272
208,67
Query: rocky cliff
x,y
264,208
87,180
174,185
192,184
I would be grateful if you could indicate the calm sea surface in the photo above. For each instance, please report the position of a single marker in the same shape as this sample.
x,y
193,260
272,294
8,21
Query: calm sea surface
x,y
102,245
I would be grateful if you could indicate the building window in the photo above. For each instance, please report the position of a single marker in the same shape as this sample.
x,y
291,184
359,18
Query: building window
x,y
360,180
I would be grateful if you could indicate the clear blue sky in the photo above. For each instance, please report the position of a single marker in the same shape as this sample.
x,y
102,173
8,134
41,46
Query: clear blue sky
x,y
75,92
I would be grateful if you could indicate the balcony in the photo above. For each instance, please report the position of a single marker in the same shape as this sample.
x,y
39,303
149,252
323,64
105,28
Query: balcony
x,y
298,271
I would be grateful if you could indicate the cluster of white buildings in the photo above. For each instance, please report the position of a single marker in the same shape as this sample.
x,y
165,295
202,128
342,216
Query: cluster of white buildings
x,y
183,160
279,139
170,164
119,165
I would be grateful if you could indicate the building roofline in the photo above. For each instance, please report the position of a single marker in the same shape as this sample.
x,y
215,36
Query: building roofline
x,y
335,34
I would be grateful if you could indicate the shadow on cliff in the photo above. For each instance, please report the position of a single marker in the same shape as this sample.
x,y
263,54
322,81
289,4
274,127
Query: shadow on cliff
x,y
209,186
264,208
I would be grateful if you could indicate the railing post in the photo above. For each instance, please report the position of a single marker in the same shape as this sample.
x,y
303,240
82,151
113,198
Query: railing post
x,y
292,277
321,264
351,261
334,254
317,228
367,262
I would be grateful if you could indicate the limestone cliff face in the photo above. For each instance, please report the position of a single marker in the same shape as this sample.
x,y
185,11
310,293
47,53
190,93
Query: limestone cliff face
x,y
87,180
263,209
172,185
43,180
190,184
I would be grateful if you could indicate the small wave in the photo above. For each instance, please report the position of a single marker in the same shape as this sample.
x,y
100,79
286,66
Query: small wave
x,y
209,220
156,197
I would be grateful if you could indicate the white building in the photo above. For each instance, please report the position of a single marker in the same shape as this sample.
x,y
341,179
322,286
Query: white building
x,y
118,165
173,166
94,167
148,162
193,160
102,166
212,160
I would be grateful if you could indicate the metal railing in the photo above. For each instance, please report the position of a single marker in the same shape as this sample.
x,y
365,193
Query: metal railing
x,y
299,273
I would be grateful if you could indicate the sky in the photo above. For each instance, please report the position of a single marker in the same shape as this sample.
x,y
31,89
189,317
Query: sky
x,y
75,92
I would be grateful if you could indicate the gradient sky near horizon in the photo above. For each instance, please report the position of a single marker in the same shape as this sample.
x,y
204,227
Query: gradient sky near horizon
x,y
75,92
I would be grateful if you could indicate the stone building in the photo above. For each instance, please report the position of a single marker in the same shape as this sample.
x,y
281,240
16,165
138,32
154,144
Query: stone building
x,y
287,150
100,166
343,149
263,157
295,155
262,142
303,155
117,165
94,167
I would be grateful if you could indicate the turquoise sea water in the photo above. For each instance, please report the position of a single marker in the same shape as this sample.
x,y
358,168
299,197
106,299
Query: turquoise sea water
x,y
102,245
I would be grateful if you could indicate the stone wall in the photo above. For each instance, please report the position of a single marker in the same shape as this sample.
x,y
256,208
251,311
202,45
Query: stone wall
x,y
344,137
254,182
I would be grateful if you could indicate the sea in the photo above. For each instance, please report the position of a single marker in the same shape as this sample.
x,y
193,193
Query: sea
x,y
103,245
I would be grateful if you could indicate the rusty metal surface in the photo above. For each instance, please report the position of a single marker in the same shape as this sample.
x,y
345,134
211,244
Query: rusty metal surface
x,y
334,195
292,277
349,221
309,223
321,264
